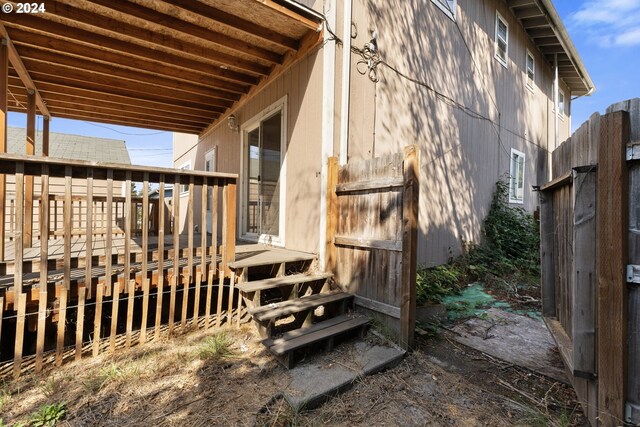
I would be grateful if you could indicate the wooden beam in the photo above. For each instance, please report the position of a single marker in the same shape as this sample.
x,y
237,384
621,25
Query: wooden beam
x,y
152,38
612,209
51,58
16,62
4,93
118,121
529,12
232,21
167,19
100,42
45,136
520,3
285,12
54,44
28,181
67,90
537,22
541,32
310,42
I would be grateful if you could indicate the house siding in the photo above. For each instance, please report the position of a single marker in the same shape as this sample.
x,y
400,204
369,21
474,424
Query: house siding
x,y
302,86
461,156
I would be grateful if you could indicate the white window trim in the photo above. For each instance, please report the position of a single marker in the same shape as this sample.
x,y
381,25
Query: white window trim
x,y
282,105
506,60
443,5
530,86
562,113
185,166
511,175
214,152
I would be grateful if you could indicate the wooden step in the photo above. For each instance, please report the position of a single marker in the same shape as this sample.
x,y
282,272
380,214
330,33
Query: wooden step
x,y
326,331
285,308
270,257
275,282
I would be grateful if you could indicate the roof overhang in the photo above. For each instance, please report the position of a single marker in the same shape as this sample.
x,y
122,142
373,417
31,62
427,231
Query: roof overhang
x,y
543,24
177,65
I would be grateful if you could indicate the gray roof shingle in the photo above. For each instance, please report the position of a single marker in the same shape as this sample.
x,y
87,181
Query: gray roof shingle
x,y
67,146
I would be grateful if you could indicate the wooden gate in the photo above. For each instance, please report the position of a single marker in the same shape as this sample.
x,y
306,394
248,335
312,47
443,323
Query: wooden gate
x,y
372,214
590,249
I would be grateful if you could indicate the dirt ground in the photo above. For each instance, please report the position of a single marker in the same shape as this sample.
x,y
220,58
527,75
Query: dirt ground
x,y
182,382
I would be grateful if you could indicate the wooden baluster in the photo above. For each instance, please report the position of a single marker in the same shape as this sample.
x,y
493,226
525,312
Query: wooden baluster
x,y
1,314
108,275
66,209
89,234
4,93
203,249
160,257
82,296
21,300
97,322
114,316
185,294
145,250
127,231
44,258
132,292
17,238
176,249
62,320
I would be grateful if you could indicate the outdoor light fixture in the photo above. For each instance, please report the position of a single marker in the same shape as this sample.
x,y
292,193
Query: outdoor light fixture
x,y
232,121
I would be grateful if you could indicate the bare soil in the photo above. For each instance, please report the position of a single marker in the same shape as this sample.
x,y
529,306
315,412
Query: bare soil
x,y
174,382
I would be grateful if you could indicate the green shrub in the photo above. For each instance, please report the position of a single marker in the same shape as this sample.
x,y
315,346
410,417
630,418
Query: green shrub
x,y
433,284
215,347
48,415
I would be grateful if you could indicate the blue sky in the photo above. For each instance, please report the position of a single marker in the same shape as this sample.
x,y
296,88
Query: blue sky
x,y
146,146
607,36
605,32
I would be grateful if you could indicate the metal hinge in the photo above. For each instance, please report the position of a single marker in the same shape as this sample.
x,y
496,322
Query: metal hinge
x,y
633,151
633,273
631,413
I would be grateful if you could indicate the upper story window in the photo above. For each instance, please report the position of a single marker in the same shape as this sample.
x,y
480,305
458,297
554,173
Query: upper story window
x,y
184,188
531,70
448,7
516,177
502,39
561,103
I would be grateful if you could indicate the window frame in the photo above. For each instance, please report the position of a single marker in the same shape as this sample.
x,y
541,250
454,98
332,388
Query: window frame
x,y
443,5
530,84
562,111
502,62
184,191
513,175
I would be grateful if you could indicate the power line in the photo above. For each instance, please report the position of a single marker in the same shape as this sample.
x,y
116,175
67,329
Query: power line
x,y
124,133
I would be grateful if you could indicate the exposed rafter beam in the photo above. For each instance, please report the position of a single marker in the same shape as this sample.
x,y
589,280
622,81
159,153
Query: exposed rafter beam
x,y
125,122
32,22
520,3
292,15
529,12
18,65
235,22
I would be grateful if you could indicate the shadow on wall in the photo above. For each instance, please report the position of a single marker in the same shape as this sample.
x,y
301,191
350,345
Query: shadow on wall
x,y
465,115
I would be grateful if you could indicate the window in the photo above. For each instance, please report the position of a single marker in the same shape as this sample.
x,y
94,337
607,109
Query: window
x,y
561,103
184,188
447,6
502,39
516,177
531,70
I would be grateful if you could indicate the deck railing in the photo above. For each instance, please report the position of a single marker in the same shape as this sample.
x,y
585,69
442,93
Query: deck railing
x,y
91,265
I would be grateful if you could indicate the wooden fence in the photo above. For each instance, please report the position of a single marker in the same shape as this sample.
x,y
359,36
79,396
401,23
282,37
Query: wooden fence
x,y
90,295
372,219
590,249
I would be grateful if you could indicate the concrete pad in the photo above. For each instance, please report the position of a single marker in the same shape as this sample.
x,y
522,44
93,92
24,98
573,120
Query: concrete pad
x,y
315,382
514,338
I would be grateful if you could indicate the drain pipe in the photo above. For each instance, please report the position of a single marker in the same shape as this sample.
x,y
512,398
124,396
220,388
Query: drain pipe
x,y
328,125
346,82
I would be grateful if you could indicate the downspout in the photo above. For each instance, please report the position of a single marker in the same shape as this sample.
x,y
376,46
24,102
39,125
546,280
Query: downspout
x,y
328,107
346,82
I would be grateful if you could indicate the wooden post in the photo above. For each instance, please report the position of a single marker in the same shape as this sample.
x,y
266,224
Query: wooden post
x,y
145,250
230,226
187,283
203,249
1,314
18,241
45,136
160,286
214,227
547,274
127,232
332,214
31,149
207,307
66,210
17,358
62,320
108,271
115,304
43,221
612,212
176,247
97,322
410,198
220,295
89,226
4,92
82,294
131,286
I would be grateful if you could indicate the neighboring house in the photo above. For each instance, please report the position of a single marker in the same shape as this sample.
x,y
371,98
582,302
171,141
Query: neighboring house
x,y
471,82
72,147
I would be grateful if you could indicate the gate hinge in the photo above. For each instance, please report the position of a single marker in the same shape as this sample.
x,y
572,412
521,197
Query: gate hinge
x,y
632,413
633,151
633,273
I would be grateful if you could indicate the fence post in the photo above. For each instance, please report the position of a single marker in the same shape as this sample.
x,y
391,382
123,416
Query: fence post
x,y
332,214
410,198
612,213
